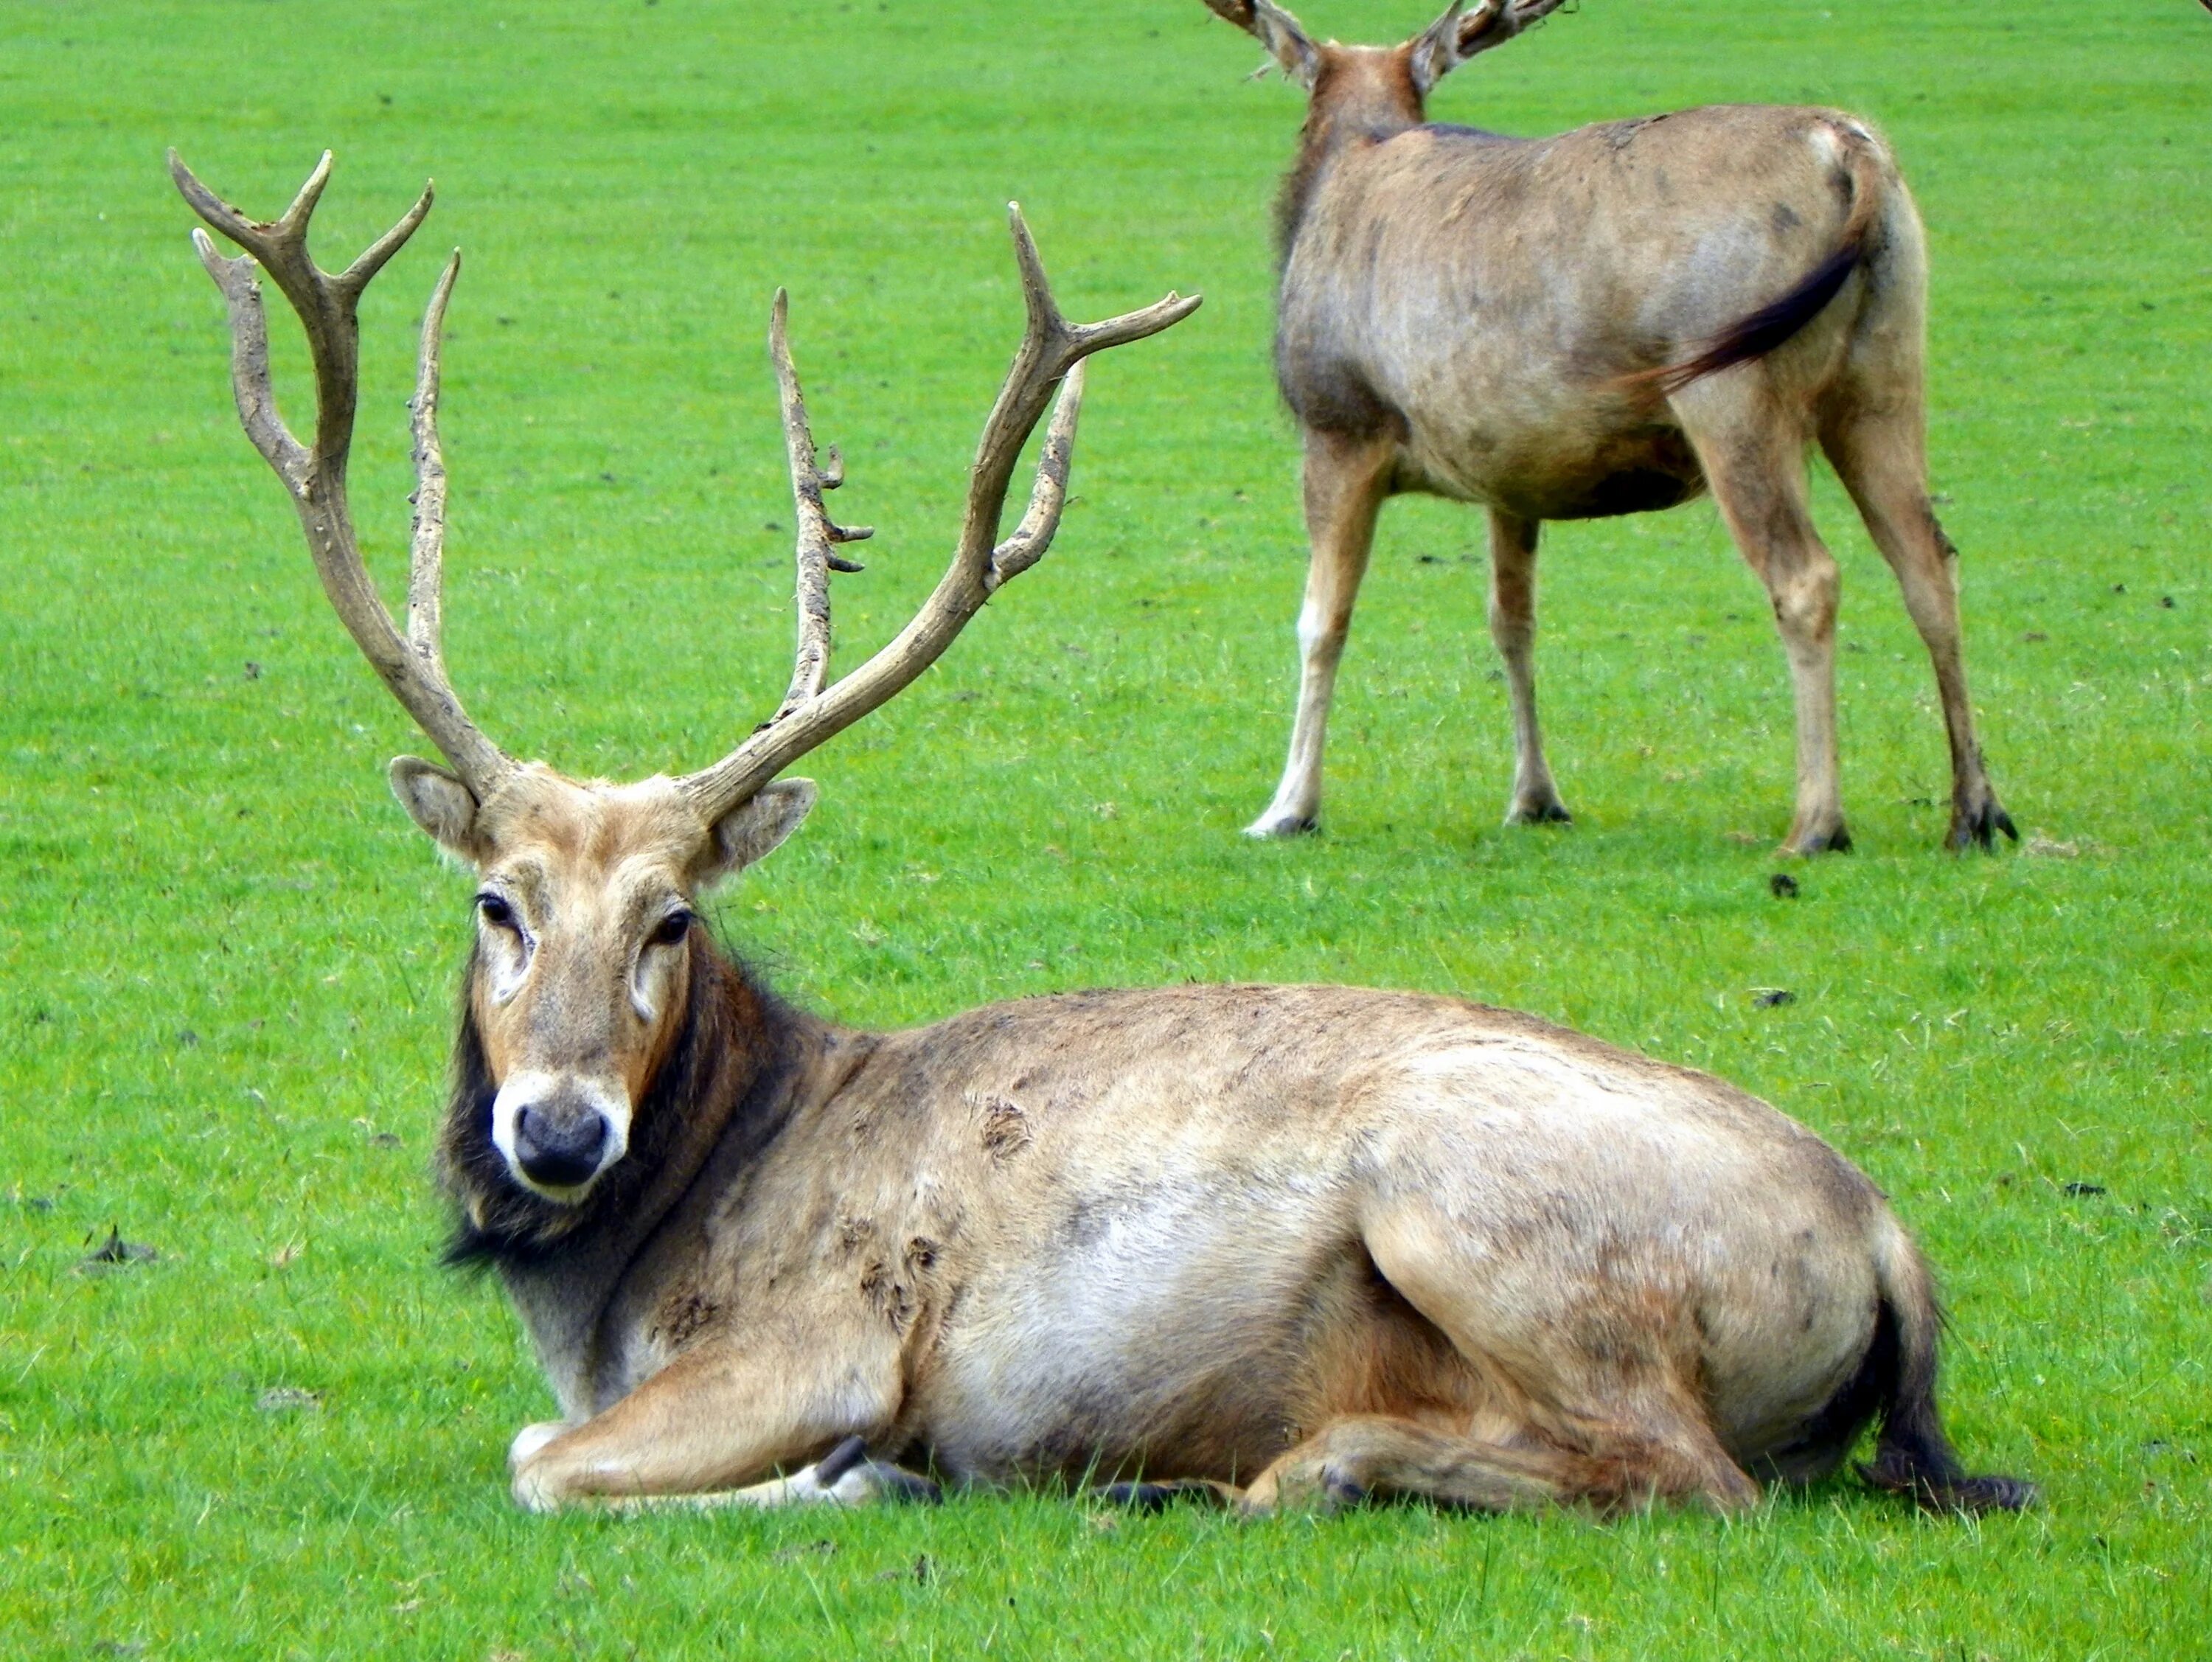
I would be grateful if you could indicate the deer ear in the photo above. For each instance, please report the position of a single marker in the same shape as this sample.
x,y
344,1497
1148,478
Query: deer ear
x,y
440,803
751,831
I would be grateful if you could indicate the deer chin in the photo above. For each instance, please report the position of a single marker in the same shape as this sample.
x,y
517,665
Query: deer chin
x,y
560,1133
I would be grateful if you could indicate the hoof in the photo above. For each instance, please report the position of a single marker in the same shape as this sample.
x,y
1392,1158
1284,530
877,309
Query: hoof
x,y
878,1482
1836,841
831,1468
1159,1497
534,1491
1978,827
1272,824
1552,813
1339,1493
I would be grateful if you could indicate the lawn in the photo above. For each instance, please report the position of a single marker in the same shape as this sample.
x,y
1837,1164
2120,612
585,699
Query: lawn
x,y
227,960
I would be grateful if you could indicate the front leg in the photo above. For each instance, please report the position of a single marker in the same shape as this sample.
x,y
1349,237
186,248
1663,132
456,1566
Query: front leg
x,y
1513,627
716,1421
1345,480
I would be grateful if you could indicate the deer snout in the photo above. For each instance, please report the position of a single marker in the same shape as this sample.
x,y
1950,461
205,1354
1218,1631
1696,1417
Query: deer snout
x,y
557,1150
558,1134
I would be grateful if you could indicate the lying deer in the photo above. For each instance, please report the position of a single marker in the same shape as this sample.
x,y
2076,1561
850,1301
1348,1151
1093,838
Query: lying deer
x,y
1605,322
1311,1242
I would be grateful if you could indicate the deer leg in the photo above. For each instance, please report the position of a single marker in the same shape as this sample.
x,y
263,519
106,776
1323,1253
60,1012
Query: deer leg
x,y
845,1477
1345,480
1880,462
1585,1383
1513,627
1757,472
1361,1458
711,1429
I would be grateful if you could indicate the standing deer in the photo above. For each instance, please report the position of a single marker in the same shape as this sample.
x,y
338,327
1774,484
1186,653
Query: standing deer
x,y
1605,322
1316,1242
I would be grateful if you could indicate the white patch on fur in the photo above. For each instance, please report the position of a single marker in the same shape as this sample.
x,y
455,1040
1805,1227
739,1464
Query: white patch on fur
x,y
508,950
532,1438
650,976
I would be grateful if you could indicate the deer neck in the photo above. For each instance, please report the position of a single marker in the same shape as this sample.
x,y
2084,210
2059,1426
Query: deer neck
x,y
1363,98
727,1078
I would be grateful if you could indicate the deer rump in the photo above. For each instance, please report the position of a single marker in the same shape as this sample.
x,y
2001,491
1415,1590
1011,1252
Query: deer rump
x,y
1187,1234
1515,311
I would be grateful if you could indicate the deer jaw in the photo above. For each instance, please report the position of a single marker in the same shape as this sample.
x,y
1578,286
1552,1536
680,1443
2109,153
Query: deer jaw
x,y
585,930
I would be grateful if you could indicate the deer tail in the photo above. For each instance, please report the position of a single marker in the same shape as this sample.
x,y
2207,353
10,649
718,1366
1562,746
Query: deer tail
x,y
1912,1456
1779,319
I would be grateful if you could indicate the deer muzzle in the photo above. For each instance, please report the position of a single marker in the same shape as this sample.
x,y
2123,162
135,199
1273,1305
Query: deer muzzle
x,y
558,1133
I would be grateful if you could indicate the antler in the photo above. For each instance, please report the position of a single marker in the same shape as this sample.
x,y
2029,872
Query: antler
x,y
412,665
1051,353
817,533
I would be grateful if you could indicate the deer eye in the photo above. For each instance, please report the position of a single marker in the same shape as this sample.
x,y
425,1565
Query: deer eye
x,y
495,911
671,929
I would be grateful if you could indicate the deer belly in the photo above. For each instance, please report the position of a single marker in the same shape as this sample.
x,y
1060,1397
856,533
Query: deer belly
x,y
1159,1330
1569,474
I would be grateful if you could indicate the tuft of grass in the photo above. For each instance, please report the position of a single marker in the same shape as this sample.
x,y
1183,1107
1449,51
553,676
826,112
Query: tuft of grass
x,y
226,962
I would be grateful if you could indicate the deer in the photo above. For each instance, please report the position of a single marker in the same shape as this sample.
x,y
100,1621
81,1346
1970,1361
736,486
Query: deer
x,y
1609,321
1267,1246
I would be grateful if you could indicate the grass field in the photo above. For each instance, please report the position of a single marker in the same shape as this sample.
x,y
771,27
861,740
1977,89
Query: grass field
x,y
227,960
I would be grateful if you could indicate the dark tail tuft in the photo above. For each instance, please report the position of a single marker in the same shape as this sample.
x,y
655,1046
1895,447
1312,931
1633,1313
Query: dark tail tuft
x,y
1756,336
1912,1456
1774,323
1896,1471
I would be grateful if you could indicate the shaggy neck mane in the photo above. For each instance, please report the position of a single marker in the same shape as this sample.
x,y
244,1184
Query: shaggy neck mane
x,y
726,1065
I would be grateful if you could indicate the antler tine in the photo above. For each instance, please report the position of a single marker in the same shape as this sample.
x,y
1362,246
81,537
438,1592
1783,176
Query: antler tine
x,y
1034,535
818,534
249,363
1049,356
1051,347
412,667
426,569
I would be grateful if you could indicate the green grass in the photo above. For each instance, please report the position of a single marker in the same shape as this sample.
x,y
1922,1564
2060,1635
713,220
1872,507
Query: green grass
x,y
227,961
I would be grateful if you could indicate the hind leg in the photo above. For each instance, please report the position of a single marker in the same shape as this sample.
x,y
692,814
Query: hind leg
x,y
1345,480
1376,1457
1513,627
1753,458
1879,458
1587,1380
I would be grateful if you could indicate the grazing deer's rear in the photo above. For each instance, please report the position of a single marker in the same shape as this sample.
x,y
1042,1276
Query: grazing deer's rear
x,y
1601,323
1319,1242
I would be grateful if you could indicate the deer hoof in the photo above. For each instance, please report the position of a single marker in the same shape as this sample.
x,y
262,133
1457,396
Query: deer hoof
x,y
1836,840
1159,1497
1978,827
878,1481
1551,812
1338,1492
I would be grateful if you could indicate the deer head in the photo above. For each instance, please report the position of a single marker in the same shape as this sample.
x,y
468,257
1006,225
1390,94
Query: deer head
x,y
1368,89
585,889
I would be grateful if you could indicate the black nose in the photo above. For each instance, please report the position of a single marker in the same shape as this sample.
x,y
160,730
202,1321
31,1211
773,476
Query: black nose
x,y
560,1153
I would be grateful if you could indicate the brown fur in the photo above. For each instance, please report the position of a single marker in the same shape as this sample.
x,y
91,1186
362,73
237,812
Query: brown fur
x,y
1608,321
